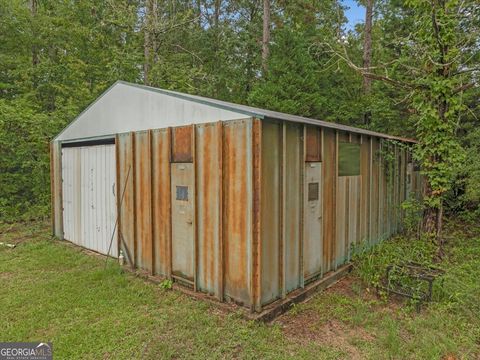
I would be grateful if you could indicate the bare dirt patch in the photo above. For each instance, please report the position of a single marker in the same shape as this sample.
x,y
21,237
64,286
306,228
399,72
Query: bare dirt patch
x,y
306,327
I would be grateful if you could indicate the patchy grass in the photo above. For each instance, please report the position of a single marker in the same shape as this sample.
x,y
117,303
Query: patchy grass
x,y
352,316
52,291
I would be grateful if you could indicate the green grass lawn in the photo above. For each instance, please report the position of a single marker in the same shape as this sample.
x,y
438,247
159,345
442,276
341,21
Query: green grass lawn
x,y
53,291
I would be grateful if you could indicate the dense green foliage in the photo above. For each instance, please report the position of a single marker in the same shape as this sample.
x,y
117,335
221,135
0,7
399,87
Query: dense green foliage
x,y
56,57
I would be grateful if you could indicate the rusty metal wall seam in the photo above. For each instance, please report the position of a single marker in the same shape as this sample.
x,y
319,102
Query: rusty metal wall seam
x,y
195,209
58,205
169,190
134,187
152,230
322,196
303,159
282,252
249,214
52,191
335,182
256,253
221,265
119,191
370,192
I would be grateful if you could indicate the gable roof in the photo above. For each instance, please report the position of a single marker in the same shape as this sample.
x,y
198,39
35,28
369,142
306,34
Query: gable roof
x,y
169,108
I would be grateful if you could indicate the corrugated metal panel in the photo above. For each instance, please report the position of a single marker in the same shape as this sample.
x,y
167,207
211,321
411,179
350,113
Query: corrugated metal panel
x,y
375,219
257,145
57,205
143,201
313,239
89,197
182,140
342,220
292,209
313,143
329,198
183,226
126,175
271,210
237,218
209,179
161,201
365,190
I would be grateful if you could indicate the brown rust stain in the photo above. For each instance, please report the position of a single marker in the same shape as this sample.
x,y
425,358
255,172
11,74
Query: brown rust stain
x,y
256,238
271,211
292,206
375,190
207,154
364,195
313,143
329,201
182,144
52,189
236,210
143,200
126,211
161,200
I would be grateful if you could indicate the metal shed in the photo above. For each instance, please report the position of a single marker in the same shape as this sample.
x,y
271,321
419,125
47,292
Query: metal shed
x,y
245,204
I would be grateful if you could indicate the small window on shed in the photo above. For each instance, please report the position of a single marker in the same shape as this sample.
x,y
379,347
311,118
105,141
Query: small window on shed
x,y
348,159
182,193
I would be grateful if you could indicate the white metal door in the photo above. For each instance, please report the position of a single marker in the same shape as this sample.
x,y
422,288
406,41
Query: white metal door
x,y
89,202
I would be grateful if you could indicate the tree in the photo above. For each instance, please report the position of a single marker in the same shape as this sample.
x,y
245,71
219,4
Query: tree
x,y
434,68
367,45
266,33
290,85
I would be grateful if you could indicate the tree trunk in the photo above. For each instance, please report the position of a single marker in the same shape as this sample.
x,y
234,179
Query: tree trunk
x,y
367,45
149,39
432,217
367,55
218,4
266,34
33,11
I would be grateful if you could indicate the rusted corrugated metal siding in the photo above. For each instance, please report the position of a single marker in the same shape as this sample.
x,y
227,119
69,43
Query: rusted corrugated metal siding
x,y
375,193
252,188
56,179
256,284
209,180
329,198
161,204
365,165
126,210
271,210
143,201
292,205
237,209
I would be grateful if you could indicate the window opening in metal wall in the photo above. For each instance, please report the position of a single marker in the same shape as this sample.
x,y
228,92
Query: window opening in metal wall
x,y
348,159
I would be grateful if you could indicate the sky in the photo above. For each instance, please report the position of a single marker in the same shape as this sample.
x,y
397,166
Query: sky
x,y
355,14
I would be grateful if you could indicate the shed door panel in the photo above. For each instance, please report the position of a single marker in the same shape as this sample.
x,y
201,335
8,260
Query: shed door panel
x,y
89,203
182,220
313,233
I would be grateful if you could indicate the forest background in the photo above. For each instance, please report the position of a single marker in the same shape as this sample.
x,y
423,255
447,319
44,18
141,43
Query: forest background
x,y
409,68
